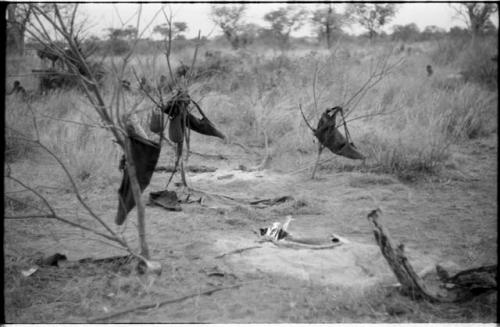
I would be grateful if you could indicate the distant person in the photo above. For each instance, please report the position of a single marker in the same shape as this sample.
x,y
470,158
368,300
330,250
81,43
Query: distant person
x,y
181,71
429,70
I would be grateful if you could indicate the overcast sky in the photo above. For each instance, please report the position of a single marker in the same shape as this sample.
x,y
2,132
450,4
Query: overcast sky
x,y
106,15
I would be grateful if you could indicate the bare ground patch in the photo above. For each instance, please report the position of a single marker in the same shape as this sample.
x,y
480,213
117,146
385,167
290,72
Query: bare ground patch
x,y
441,220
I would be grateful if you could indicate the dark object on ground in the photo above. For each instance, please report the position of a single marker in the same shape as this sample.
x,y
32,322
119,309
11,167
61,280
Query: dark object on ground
x,y
274,201
330,137
464,285
52,260
192,169
429,70
145,155
166,199
474,281
17,89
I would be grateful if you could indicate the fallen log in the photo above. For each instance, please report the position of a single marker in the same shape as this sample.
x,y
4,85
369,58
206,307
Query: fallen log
x,y
460,287
471,282
411,283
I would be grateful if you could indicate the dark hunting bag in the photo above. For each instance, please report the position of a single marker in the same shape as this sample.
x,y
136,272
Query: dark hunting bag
x,y
176,128
180,118
329,135
145,155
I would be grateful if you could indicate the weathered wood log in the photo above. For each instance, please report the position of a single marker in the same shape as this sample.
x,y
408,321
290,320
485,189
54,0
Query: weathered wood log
x,y
461,287
470,282
411,283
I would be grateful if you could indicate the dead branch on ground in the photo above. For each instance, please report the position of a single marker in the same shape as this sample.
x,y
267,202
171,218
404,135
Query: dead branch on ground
x,y
161,303
237,251
466,284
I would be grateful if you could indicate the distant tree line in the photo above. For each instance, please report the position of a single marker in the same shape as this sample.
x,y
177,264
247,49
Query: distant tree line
x,y
327,23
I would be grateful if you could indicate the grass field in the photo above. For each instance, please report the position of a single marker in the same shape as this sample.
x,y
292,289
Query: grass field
x,y
431,147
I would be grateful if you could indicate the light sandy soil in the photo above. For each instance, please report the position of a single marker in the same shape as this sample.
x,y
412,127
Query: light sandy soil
x,y
450,218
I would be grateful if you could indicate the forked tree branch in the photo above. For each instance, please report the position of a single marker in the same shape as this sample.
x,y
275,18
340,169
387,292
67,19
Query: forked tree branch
x,y
305,119
78,65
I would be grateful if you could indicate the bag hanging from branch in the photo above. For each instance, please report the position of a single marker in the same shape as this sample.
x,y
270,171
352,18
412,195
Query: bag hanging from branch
x,y
176,128
203,126
157,122
180,118
329,136
145,154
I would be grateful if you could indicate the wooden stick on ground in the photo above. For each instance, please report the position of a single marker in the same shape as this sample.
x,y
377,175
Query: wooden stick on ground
x,y
237,251
161,303
411,283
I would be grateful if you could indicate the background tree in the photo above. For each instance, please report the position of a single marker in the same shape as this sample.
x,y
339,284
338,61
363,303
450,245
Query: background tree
x,y
18,16
328,23
408,32
433,32
476,15
371,16
458,32
119,38
230,20
128,32
177,29
285,20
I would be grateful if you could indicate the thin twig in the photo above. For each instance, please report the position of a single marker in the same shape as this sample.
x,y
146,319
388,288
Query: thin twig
x,y
303,116
161,303
169,44
237,251
191,73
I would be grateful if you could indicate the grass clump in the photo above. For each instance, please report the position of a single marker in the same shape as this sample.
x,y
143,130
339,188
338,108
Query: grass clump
x,y
17,119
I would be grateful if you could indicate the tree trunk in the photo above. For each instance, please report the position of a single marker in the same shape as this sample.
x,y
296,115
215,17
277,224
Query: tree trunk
x,y
136,191
329,27
15,32
411,283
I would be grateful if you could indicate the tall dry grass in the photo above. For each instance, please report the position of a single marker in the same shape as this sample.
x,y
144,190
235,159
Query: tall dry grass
x,y
64,123
415,137
254,98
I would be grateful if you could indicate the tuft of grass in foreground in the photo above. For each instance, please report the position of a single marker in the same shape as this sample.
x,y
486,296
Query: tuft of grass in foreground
x,y
72,295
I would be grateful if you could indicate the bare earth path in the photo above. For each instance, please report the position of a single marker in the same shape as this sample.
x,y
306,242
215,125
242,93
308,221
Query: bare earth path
x,y
451,218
